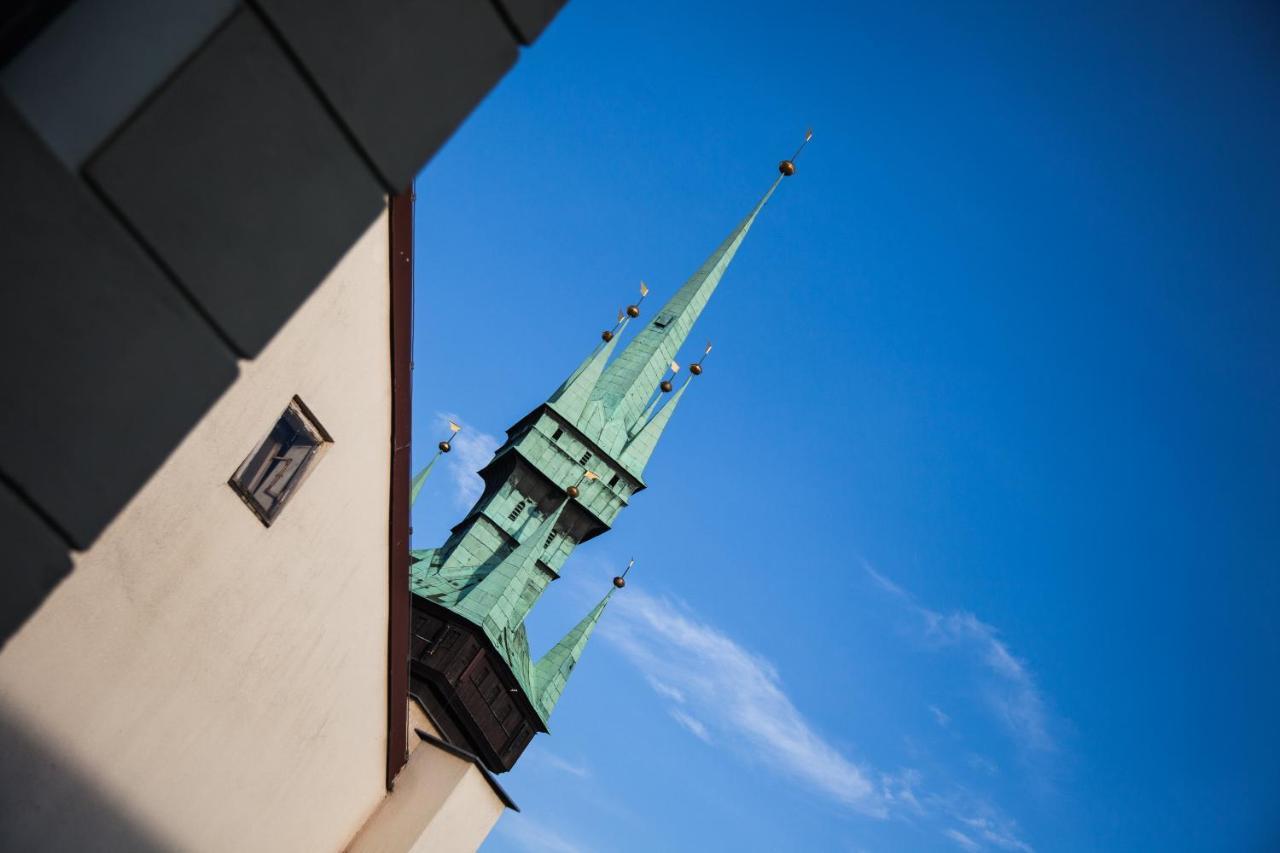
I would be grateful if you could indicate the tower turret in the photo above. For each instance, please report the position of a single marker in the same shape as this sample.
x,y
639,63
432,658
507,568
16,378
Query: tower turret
x,y
561,477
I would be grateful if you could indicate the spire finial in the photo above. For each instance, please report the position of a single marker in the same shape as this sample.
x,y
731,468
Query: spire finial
x,y
587,474
634,310
696,367
445,446
788,167
621,580
607,334
421,478
665,384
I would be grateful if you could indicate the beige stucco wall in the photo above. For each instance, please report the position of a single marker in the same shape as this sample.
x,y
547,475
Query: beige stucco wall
x,y
441,803
202,682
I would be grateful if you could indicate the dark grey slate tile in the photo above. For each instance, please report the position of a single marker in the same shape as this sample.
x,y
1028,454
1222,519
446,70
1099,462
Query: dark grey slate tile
x,y
106,365
35,560
241,182
98,61
402,74
530,17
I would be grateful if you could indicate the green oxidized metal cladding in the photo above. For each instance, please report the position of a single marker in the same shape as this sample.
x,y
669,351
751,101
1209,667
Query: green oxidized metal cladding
x,y
605,418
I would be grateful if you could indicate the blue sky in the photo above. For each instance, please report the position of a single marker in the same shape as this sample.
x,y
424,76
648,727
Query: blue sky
x,y
966,539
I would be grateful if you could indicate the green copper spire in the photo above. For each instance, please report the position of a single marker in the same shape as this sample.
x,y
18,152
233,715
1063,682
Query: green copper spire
x,y
419,480
637,452
570,398
552,672
560,478
628,382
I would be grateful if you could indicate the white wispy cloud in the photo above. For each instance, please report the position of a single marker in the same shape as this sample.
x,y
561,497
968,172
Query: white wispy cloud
x,y
529,835
692,724
731,689
899,790
985,825
998,832
1011,691
1013,694
960,838
664,689
940,716
562,764
472,449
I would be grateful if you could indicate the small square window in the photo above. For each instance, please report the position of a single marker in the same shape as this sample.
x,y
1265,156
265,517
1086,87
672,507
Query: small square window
x,y
613,481
663,320
586,457
555,436
275,469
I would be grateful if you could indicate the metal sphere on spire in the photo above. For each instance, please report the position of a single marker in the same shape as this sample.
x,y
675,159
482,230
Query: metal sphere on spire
x,y
621,580
788,167
606,336
445,446
633,310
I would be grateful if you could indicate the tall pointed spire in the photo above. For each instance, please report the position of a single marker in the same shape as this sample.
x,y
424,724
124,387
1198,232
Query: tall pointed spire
x,y
583,451
627,383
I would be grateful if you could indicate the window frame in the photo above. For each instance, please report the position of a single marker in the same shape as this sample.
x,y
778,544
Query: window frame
x,y
299,419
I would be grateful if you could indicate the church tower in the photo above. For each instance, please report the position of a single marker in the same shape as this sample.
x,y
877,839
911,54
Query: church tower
x,y
565,472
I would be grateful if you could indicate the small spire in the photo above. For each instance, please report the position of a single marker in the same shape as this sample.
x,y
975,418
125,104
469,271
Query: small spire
x,y
551,673
421,478
570,398
635,456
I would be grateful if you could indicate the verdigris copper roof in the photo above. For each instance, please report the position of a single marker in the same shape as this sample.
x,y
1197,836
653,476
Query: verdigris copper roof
x,y
501,559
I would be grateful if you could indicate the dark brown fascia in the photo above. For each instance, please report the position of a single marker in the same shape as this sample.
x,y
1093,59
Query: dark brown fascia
x,y
401,254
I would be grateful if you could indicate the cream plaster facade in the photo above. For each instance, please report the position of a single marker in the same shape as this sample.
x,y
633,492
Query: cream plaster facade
x,y
200,681
441,804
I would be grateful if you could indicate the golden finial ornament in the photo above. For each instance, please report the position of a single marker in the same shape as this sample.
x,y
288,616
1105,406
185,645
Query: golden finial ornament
x,y
788,167
633,311
621,580
696,367
665,384
573,491
606,335
454,429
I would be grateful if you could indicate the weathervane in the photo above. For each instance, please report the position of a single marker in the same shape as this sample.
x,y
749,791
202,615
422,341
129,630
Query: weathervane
x,y
634,310
445,446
